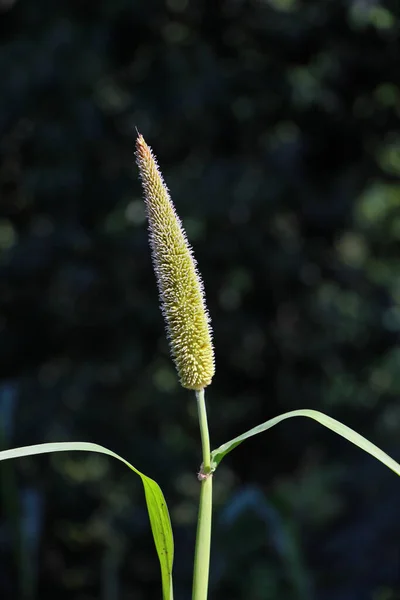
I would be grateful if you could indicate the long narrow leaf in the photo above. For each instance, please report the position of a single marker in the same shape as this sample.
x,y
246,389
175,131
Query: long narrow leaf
x,y
354,437
156,505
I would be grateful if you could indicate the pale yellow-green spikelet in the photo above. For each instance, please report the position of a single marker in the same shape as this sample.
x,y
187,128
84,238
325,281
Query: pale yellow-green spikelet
x,y
179,284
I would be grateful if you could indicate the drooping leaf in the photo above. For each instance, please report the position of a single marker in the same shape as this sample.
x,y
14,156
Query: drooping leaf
x,y
156,504
351,435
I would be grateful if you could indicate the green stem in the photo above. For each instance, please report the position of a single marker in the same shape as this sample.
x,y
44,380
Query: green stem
x,y
205,438
203,537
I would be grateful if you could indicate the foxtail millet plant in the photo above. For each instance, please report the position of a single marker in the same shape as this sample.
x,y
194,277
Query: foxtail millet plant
x,y
189,332
188,326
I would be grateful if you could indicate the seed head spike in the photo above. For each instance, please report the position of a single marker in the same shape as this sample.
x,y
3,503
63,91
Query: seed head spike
x,y
179,284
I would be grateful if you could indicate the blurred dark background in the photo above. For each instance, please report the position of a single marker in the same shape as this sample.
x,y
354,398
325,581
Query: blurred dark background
x,y
276,124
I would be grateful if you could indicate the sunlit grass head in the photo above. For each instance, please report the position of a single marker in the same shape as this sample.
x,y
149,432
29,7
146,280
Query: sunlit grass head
x,y
179,283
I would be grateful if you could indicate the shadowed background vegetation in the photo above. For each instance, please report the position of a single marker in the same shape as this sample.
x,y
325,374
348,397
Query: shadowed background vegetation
x,y
276,125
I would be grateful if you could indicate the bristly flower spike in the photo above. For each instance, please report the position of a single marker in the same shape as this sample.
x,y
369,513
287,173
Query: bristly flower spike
x,y
179,283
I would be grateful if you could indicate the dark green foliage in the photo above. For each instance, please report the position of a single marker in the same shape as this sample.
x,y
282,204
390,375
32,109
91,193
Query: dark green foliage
x,y
276,127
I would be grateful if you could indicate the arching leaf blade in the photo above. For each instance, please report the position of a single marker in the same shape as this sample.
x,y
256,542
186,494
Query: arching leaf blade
x,y
162,532
156,505
332,424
